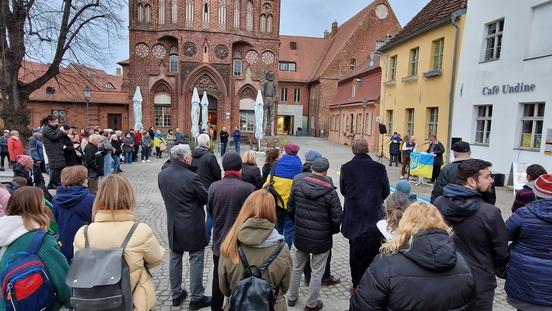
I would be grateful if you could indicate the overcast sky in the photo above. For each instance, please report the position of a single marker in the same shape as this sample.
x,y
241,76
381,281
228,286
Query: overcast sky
x,y
302,17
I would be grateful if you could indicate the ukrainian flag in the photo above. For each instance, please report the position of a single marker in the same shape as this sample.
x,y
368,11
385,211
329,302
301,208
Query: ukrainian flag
x,y
421,164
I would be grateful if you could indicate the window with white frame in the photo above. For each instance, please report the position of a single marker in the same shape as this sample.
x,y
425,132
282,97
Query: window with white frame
x,y
297,95
237,67
247,120
392,74
162,104
368,123
413,63
409,121
493,40
483,120
531,125
287,66
389,118
433,121
60,114
284,95
438,47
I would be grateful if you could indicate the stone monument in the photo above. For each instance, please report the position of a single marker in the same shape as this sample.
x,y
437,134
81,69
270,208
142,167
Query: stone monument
x,y
269,98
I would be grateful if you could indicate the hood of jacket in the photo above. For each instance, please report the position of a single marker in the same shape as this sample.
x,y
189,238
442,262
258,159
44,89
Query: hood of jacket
x,y
11,228
69,197
433,250
315,187
542,209
199,152
463,203
255,231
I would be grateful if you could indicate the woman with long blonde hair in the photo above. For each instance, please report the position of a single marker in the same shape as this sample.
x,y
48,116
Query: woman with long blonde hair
x,y
254,231
113,219
422,252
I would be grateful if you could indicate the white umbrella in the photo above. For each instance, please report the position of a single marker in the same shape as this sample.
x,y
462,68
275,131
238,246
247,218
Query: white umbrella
x,y
259,115
195,114
137,100
204,112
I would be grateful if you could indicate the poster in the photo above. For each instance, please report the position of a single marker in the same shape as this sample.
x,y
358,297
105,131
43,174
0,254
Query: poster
x,y
520,175
421,164
548,142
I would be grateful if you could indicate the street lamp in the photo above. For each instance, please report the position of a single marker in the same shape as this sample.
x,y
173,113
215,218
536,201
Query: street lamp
x,y
364,103
87,96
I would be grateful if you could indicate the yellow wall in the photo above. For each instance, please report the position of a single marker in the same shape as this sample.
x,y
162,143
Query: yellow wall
x,y
421,93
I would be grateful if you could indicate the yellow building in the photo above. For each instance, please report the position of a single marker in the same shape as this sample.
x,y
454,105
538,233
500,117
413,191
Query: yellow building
x,y
418,66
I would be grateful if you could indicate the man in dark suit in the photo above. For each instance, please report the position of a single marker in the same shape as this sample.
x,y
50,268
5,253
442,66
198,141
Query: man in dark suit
x,y
365,185
437,149
184,196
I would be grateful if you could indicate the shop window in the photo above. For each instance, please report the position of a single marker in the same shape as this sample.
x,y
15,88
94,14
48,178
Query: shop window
x,y
483,121
247,120
531,126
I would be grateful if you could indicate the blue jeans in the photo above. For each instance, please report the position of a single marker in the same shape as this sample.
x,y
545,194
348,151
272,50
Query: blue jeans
x,y
209,226
108,164
145,153
285,225
237,146
116,163
128,157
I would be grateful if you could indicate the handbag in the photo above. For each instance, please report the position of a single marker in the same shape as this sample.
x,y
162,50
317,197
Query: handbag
x,y
163,146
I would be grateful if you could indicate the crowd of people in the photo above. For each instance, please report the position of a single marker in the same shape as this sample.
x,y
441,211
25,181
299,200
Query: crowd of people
x,y
252,217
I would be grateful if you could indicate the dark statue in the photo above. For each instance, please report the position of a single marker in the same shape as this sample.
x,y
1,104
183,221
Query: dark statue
x,y
269,98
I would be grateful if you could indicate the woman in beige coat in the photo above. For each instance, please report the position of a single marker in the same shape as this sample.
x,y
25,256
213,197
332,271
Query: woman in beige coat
x,y
254,231
113,218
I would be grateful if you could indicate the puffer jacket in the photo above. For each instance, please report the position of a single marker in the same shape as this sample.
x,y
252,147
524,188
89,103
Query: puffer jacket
x,y
286,169
15,148
143,251
259,239
315,206
252,174
430,275
51,137
529,274
207,166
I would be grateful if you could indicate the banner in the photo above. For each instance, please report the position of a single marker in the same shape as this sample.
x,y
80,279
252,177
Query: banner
x,y
520,175
421,164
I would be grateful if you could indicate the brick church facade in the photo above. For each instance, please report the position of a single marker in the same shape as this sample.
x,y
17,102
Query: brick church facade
x,y
225,48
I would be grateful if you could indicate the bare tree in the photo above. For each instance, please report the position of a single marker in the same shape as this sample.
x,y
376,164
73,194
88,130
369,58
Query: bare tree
x,y
53,32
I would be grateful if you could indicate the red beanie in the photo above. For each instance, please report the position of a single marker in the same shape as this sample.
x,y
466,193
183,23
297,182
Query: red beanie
x,y
543,187
291,148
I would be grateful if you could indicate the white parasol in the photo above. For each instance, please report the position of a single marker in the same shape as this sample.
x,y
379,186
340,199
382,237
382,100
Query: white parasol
x,y
204,112
195,114
259,115
137,100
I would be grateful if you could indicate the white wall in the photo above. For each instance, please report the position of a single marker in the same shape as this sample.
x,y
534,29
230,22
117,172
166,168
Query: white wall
x,y
292,110
524,59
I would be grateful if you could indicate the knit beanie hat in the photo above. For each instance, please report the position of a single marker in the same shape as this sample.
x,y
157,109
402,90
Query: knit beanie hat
x,y
24,159
320,165
291,148
312,155
231,162
403,186
543,187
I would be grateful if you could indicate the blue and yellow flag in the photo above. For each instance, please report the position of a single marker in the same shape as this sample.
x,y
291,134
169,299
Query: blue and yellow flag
x,y
421,164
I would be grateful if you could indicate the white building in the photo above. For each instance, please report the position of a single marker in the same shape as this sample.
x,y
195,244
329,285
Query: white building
x,y
503,96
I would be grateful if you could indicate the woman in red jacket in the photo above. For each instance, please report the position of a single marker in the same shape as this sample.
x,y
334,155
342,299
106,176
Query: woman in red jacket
x,y
15,147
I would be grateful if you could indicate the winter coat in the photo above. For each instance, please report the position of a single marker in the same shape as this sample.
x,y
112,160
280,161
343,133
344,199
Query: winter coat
x,y
116,144
128,145
449,175
137,139
72,209
19,171
69,152
529,273
266,171
287,167
93,160
430,275
252,174
51,136
224,136
143,251
278,275
15,148
523,196
36,150
395,144
226,198
364,184
236,135
18,239
315,206
207,166
4,144
171,138
438,149
179,138
479,232
146,142
184,201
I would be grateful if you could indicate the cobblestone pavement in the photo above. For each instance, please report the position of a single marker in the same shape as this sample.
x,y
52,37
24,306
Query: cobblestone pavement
x,y
150,210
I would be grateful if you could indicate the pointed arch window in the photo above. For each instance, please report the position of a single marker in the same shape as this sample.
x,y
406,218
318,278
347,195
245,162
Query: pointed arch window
x,y
140,13
262,23
249,19
269,20
147,13
205,13
222,14
161,12
189,13
237,12
174,11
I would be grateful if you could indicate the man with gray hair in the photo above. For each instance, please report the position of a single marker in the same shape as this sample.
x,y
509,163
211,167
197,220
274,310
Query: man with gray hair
x,y
184,196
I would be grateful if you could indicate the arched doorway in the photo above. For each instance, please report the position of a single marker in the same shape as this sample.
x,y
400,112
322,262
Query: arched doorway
x,y
212,120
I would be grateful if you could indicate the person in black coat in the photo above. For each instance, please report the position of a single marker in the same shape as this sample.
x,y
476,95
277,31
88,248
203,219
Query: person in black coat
x,y
226,198
364,184
315,206
223,141
250,172
437,149
206,163
52,136
69,152
93,160
185,196
418,270
480,234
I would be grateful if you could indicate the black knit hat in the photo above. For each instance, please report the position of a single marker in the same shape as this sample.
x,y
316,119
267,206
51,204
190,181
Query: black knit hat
x,y
231,162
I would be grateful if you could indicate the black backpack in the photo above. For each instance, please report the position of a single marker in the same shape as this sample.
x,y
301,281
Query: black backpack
x,y
100,278
253,293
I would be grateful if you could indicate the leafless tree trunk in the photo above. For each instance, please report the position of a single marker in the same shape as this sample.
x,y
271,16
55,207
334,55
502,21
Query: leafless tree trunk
x,y
53,32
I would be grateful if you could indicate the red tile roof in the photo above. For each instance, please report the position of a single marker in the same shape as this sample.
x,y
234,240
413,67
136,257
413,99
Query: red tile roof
x,y
368,87
433,14
307,56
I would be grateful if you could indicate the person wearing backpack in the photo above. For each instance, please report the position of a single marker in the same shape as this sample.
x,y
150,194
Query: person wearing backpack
x,y
260,243
113,220
22,238
72,206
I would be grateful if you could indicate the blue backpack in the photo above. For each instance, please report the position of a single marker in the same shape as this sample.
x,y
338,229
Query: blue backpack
x,y
25,282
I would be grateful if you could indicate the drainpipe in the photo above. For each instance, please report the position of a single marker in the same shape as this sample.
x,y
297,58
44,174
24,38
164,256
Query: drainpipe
x,y
455,16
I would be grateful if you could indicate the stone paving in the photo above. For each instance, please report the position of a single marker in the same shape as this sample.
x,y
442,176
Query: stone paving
x,y
150,210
